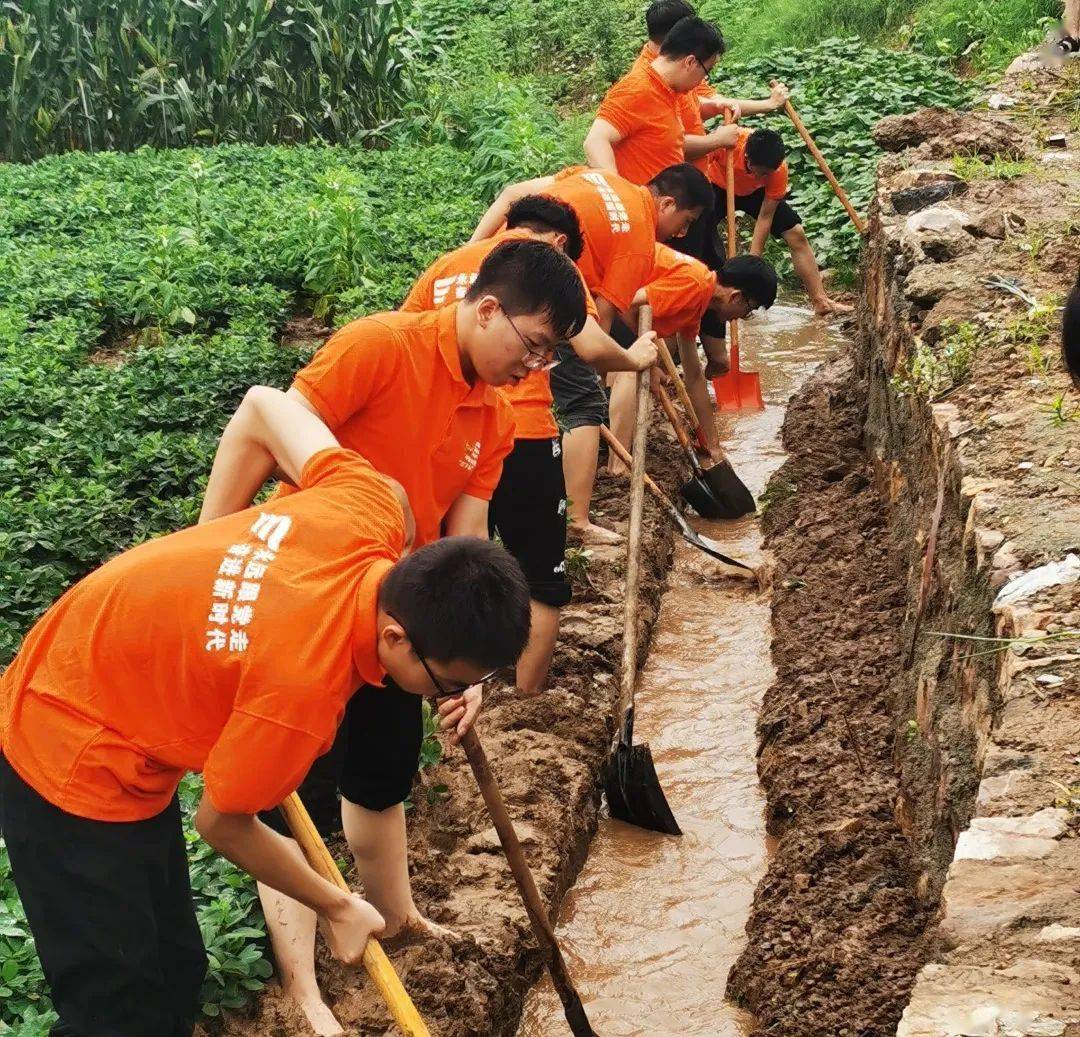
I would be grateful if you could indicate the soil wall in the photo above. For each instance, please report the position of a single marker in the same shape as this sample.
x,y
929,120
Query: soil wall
x,y
919,750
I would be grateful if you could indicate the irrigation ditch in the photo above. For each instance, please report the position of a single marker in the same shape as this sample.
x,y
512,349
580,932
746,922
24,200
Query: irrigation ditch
x,y
914,715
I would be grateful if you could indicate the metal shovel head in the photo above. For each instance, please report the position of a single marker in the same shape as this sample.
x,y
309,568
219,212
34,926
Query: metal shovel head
x,y
719,493
710,547
634,794
738,390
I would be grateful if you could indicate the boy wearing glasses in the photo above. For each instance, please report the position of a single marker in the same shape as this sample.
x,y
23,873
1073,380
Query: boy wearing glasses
x,y
414,393
528,508
230,648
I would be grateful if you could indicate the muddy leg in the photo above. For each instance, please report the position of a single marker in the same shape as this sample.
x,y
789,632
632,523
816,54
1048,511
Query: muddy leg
x,y
580,448
623,397
535,661
291,928
802,258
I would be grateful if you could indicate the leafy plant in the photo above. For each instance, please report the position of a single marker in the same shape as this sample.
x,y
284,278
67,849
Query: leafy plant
x,y
933,371
1060,413
975,167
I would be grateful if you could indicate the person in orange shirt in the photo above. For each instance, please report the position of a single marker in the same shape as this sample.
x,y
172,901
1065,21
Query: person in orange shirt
x,y
528,509
229,648
620,224
761,188
681,292
703,102
638,129
415,394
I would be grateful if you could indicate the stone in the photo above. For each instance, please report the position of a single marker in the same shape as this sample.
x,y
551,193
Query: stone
x,y
912,199
1012,838
929,283
1058,934
941,133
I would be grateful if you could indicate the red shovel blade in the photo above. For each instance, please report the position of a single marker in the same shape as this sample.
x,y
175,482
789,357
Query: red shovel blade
x,y
738,390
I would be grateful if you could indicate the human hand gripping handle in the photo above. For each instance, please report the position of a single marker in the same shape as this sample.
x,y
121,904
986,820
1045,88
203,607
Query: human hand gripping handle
x,y
644,352
375,960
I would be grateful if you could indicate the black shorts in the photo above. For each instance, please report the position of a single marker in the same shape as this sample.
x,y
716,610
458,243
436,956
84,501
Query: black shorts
x,y
109,905
528,510
784,219
372,762
579,395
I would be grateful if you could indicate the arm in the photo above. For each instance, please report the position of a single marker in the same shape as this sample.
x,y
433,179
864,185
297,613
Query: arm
x,y
695,146
467,517
600,351
763,225
269,430
495,216
271,859
605,313
776,100
600,145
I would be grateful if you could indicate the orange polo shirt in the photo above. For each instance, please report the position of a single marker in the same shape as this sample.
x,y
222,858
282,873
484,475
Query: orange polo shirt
x,y
391,388
618,224
646,111
689,106
230,648
679,291
775,184
447,281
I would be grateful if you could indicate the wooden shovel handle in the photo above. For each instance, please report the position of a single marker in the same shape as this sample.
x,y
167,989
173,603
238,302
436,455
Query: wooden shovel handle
x,y
680,387
729,194
673,417
375,960
530,895
824,165
633,539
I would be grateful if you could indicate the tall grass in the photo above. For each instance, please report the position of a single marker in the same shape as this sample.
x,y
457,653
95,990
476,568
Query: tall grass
x,y
116,74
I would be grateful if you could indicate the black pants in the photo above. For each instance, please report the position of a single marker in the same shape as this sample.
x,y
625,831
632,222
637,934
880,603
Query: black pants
x,y
109,904
372,762
528,511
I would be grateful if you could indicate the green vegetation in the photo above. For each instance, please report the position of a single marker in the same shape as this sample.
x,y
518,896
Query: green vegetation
x,y
975,167
93,75
934,371
983,35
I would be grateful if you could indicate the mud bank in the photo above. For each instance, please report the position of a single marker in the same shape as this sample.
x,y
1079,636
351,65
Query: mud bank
x,y
919,750
547,754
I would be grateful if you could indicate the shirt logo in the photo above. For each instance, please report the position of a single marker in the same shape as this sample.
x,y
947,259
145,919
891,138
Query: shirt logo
x,y
472,456
238,582
616,211
458,284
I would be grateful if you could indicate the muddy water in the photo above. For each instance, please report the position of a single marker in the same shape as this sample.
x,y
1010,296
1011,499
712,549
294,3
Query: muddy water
x,y
654,923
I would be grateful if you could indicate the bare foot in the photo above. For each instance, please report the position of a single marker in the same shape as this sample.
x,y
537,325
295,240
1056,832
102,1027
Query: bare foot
x,y
319,1016
829,307
594,534
415,929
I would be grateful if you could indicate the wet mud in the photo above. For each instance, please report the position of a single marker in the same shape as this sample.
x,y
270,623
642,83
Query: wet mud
x,y
654,923
836,934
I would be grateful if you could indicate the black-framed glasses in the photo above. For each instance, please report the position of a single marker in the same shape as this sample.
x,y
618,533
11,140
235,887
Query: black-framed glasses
x,y
442,690
534,360
708,71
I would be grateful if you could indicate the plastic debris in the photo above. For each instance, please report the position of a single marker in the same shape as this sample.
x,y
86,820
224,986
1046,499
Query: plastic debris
x,y
1053,574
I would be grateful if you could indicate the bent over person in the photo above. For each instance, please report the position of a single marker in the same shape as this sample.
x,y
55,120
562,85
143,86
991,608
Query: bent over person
x,y
528,509
414,394
231,648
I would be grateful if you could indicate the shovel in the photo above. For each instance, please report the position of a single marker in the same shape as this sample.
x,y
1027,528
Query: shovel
x,y
689,534
530,895
375,960
714,494
736,390
633,790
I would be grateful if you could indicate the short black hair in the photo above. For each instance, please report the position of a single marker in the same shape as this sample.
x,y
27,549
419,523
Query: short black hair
x,y
461,597
662,16
532,277
695,36
543,214
752,276
765,148
687,184
1070,334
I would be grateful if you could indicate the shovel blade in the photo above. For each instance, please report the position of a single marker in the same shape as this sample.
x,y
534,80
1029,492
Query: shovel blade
x,y
732,493
634,794
738,390
699,495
